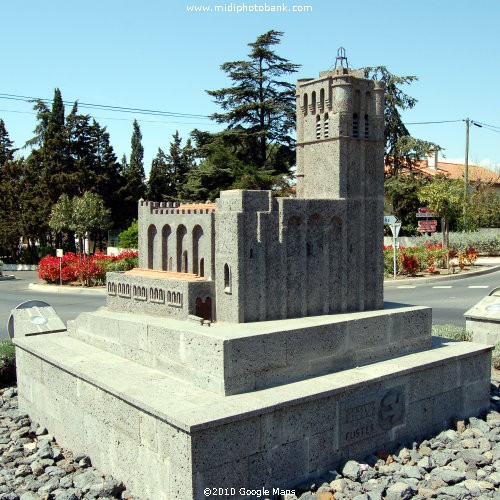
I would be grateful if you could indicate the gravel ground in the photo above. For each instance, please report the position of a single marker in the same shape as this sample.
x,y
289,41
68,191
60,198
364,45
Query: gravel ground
x,y
459,463
462,462
34,467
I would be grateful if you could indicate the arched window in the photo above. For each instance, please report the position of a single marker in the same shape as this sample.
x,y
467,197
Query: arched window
x,y
202,268
151,245
367,127
318,127
181,247
321,99
313,102
197,238
355,125
227,279
326,126
165,233
305,104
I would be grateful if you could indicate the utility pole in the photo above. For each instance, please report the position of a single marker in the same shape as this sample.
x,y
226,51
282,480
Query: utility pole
x,y
466,173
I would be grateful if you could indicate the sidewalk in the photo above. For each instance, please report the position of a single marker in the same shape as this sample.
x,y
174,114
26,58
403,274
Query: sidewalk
x,y
483,265
77,290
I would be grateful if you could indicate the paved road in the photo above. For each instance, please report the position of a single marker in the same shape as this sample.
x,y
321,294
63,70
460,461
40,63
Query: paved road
x,y
67,306
449,299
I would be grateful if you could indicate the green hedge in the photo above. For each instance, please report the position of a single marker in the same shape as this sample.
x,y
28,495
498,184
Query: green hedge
x,y
7,363
484,242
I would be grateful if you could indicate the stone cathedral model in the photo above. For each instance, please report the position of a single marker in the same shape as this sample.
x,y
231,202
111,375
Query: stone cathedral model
x,y
253,257
252,347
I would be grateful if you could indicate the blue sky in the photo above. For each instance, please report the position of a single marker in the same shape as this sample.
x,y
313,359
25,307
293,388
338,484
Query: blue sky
x,y
158,55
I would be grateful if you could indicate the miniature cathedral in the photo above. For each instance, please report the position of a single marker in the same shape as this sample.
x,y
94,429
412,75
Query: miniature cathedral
x,y
253,257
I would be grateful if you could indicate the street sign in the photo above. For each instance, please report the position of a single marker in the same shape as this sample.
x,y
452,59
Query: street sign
x,y
424,212
395,227
430,223
427,226
389,219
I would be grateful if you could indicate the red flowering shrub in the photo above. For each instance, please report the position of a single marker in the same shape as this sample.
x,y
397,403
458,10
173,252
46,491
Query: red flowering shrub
x,y
471,255
409,264
68,274
48,269
89,271
127,254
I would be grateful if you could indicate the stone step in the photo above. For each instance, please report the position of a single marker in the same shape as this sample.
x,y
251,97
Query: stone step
x,y
234,358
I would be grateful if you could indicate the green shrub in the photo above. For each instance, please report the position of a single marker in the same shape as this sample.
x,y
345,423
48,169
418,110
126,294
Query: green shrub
x,y
453,332
7,363
130,237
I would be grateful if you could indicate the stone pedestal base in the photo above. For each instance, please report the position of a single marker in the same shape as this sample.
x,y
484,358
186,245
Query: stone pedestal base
x,y
168,439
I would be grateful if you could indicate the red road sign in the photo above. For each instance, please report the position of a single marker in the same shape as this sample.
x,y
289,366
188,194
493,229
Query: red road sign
x,y
424,212
427,223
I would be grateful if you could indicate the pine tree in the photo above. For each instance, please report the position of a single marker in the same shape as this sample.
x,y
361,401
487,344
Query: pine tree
x,y
259,107
6,149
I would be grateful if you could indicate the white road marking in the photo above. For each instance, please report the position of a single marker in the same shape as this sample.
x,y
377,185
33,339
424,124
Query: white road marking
x,y
478,286
442,286
407,286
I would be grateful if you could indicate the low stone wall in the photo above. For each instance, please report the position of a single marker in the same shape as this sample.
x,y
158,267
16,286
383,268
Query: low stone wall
x,y
20,267
157,297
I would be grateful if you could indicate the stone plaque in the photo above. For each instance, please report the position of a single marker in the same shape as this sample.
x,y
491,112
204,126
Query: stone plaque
x,y
373,414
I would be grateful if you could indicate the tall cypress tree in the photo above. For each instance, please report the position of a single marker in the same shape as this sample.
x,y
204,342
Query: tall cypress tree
x,y
134,178
135,175
161,186
6,149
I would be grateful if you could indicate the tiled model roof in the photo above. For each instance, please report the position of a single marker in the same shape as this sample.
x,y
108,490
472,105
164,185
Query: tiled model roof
x,y
153,273
197,206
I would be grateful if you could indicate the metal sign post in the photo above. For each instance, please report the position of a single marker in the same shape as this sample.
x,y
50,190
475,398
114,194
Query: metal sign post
x,y
59,253
395,227
392,222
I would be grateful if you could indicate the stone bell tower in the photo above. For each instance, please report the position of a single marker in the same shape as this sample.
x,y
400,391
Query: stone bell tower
x,y
340,156
340,135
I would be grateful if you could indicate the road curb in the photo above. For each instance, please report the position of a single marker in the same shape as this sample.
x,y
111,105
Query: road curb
x,y
66,290
416,281
7,277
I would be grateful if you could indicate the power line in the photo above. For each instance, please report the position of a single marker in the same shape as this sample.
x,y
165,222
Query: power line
x,y
108,107
141,120
486,125
428,123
